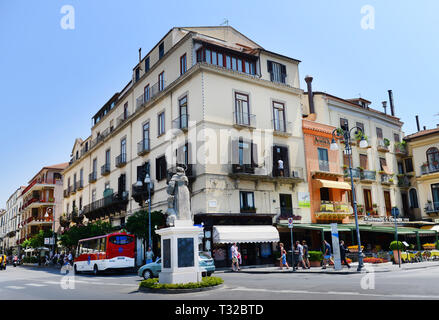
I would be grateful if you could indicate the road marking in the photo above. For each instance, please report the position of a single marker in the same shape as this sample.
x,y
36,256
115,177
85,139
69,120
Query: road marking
x,y
36,285
15,287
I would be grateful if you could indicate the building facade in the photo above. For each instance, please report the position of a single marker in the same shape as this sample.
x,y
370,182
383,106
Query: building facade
x,y
227,110
11,221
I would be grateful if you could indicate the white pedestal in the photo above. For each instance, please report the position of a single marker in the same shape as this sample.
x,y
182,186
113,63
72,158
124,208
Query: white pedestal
x,y
179,247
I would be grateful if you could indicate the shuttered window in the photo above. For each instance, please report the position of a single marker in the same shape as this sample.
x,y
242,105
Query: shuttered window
x,y
278,72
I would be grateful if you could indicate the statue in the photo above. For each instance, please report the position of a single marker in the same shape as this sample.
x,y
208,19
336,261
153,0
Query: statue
x,y
179,205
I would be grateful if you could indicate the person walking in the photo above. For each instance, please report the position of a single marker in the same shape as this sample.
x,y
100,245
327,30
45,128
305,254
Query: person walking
x,y
283,257
149,255
235,257
299,248
343,251
306,254
70,258
326,254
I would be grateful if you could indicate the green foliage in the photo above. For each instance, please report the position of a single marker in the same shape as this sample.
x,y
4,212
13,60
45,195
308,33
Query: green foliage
x,y
396,246
32,259
206,282
386,142
37,240
138,223
437,244
315,256
72,235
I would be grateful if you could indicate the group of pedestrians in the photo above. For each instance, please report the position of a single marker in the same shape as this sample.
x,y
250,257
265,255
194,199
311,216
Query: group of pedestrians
x,y
327,255
61,259
301,255
236,257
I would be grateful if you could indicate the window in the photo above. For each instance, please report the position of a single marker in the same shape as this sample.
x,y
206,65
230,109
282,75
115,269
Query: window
x,y
379,133
323,159
433,159
200,55
161,50
123,150
363,161
80,203
247,200
121,184
278,117
214,58
142,171
107,158
161,168
95,165
408,165
147,64
413,198
220,60
145,136
81,177
400,168
361,126
125,110
183,64
278,72
208,56
383,165
242,115
183,122
396,137
344,124
234,66
93,195
161,82
146,93
137,74
161,123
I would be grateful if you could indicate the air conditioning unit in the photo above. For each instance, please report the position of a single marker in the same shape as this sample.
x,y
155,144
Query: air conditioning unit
x,y
295,174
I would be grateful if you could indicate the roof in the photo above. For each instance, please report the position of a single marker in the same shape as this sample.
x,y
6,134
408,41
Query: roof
x,y
422,134
60,166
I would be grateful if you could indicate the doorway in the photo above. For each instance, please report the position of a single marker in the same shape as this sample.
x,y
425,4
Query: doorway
x,y
388,203
367,200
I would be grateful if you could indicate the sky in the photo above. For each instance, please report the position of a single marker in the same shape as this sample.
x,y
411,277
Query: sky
x,y
53,80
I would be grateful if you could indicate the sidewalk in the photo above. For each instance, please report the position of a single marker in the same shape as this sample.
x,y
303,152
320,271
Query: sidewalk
x,y
368,267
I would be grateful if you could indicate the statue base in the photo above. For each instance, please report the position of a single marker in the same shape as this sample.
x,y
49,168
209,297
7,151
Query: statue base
x,y
179,248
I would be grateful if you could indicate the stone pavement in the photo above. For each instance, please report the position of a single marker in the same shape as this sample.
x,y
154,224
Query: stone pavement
x,y
368,267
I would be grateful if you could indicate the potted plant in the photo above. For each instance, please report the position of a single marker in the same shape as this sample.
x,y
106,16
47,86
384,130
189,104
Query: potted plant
x,y
315,258
386,142
396,247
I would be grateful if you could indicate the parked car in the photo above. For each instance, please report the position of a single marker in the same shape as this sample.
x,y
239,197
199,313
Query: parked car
x,y
151,270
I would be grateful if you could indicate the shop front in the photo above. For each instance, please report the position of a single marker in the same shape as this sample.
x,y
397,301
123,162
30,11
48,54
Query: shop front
x,y
256,237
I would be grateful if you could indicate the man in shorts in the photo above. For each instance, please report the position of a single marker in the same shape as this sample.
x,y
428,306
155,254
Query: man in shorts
x,y
300,261
326,254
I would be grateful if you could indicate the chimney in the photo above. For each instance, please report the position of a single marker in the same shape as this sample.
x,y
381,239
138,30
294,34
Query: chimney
x,y
392,110
140,54
308,80
385,106
417,123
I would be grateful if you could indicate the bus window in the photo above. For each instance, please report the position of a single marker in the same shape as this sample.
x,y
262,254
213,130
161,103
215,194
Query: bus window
x,y
120,240
102,245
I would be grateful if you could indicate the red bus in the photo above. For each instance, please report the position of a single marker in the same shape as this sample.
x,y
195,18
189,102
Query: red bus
x,y
111,251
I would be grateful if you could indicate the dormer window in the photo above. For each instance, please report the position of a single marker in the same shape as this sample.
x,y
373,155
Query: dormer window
x,y
278,72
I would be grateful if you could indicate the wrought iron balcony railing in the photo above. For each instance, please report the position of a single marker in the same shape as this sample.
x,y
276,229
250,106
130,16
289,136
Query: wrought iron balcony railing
x,y
182,122
121,160
244,119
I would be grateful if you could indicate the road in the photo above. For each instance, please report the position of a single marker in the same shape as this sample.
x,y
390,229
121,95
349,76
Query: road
x,y
33,283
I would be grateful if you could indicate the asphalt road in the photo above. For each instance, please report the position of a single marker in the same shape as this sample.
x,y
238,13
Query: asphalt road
x,y
33,283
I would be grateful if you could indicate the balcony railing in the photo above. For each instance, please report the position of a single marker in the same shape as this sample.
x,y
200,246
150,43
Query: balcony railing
x,y
334,206
244,119
381,146
80,184
140,101
121,160
432,207
122,118
403,181
181,122
105,169
108,205
281,126
293,173
356,173
248,210
243,168
143,147
324,165
400,149
368,175
386,178
92,177
430,167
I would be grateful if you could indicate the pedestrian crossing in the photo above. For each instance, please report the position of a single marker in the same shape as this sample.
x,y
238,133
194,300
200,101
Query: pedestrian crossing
x,y
58,283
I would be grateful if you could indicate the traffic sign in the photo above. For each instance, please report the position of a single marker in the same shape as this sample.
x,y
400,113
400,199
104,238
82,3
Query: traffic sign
x,y
290,223
395,212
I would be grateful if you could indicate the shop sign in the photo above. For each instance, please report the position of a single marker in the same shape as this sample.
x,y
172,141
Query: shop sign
x,y
322,141
385,219
303,199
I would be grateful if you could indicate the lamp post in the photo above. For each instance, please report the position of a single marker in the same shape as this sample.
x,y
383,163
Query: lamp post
x,y
148,184
346,135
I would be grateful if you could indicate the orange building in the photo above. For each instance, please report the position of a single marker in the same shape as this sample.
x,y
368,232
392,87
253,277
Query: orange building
x,y
327,188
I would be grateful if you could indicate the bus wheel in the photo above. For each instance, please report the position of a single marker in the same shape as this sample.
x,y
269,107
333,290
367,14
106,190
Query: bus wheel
x,y
95,270
147,274
75,269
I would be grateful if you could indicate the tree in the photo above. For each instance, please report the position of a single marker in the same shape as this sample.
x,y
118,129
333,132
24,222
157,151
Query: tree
x,y
138,224
72,235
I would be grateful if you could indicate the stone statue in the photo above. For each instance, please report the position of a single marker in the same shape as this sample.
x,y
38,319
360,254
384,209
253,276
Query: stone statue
x,y
179,203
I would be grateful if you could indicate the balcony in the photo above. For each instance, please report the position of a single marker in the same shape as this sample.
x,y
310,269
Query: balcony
x,y
368,176
400,149
243,168
404,180
80,185
140,194
182,122
39,220
143,147
39,183
356,173
383,145
122,118
429,167
155,89
242,119
248,210
106,206
121,160
66,193
100,137
324,165
386,178
281,127
105,169
92,177
432,208
74,188
333,211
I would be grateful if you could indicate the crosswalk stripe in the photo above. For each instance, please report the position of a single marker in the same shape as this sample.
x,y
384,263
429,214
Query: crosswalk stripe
x,y
15,287
36,285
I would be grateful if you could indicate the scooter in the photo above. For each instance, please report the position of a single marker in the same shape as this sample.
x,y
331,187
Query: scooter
x,y
14,263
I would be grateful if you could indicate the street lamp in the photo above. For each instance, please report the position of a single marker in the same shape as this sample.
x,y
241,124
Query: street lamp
x,y
346,135
148,184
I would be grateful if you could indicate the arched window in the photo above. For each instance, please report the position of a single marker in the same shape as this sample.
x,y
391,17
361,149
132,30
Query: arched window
x,y
433,158
413,198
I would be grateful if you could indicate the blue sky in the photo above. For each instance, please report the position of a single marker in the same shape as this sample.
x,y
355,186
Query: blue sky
x,y
52,81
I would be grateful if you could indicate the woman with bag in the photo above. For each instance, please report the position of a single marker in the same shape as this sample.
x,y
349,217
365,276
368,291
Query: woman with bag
x,y
283,256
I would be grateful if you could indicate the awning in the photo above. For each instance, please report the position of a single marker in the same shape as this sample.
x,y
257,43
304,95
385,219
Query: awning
x,y
319,227
333,184
242,234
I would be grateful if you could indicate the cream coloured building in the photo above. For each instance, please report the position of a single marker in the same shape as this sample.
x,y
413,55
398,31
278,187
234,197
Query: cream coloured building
x,y
12,220
423,164
218,103
376,168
